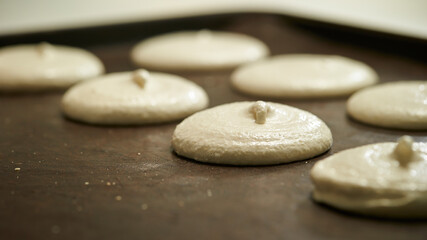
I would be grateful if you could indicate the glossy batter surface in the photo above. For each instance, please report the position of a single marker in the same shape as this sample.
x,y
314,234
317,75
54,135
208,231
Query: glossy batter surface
x,y
235,134
45,66
131,98
198,50
303,76
400,105
372,180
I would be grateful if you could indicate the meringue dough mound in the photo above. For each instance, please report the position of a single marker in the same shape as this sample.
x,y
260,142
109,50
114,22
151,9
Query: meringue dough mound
x,y
380,180
35,67
133,98
198,50
303,76
251,133
401,105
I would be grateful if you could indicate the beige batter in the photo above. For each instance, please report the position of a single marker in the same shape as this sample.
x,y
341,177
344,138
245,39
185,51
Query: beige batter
x,y
251,133
384,179
198,50
400,105
137,97
303,76
45,66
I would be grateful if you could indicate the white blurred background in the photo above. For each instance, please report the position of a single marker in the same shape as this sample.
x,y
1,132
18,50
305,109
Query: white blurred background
x,y
401,17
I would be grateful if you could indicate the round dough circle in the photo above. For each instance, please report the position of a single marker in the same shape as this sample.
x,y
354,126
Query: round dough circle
x,y
369,180
117,99
303,76
198,50
228,134
44,66
400,105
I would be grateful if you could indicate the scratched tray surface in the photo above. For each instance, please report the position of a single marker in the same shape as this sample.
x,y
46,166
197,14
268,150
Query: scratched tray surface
x,y
79,181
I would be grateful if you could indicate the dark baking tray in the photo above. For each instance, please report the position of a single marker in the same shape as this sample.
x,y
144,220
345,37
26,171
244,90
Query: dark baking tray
x,y
164,196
